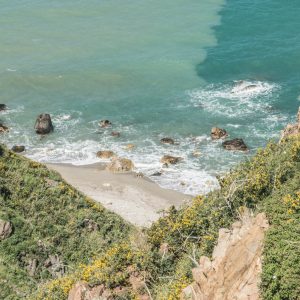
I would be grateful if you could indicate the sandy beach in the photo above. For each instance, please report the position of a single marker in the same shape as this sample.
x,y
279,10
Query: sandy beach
x,y
138,200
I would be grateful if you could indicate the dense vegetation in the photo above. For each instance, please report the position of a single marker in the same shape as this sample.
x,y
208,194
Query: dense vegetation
x,y
161,257
50,220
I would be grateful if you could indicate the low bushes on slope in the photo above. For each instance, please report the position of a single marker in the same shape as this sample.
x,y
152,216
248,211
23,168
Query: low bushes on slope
x,y
54,227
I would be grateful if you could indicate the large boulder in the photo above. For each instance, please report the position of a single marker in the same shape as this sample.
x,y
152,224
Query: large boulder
x,y
172,160
235,144
167,140
3,128
105,154
43,124
218,133
18,148
5,229
120,165
2,107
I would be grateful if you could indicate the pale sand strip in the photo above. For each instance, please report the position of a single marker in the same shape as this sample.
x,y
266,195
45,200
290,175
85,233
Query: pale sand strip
x,y
137,200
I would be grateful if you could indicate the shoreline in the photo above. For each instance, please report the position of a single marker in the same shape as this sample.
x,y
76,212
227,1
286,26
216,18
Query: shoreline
x,y
137,200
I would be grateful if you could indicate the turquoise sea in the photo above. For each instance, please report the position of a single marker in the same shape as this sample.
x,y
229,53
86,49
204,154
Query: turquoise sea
x,y
155,69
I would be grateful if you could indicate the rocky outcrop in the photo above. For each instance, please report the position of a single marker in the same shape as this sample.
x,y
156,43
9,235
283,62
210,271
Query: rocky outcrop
x,y
5,229
120,165
105,154
18,148
43,124
235,144
172,160
167,140
3,128
218,133
105,123
55,266
235,268
291,129
90,225
2,107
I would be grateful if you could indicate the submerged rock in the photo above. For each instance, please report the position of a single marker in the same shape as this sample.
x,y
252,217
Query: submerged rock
x,y
43,124
3,128
18,148
3,107
120,165
168,159
105,154
218,133
129,147
115,134
105,123
167,141
235,144
5,229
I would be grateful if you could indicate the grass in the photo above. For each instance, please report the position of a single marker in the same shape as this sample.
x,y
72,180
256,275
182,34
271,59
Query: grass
x,y
163,255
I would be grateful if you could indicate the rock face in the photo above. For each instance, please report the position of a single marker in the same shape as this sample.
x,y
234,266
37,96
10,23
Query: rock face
x,y
172,160
235,268
105,154
104,123
167,141
18,148
120,165
218,133
291,129
43,124
235,144
3,128
5,229
2,107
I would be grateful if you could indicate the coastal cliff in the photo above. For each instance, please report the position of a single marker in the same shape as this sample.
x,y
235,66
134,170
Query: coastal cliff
x,y
58,244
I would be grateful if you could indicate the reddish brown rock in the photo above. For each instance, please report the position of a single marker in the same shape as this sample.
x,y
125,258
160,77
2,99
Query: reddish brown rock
x,y
105,154
172,160
3,128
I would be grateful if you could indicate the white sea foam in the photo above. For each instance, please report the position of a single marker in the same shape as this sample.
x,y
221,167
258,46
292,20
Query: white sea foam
x,y
234,101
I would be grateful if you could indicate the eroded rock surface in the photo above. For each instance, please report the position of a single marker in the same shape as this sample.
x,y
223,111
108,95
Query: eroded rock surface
x,y
119,165
235,268
292,129
5,229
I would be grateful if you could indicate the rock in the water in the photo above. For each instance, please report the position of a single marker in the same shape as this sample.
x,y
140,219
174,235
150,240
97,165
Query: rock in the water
x,y
2,107
158,173
105,154
218,133
119,165
168,159
129,147
235,144
3,128
104,123
167,141
43,124
196,153
18,148
115,134
5,229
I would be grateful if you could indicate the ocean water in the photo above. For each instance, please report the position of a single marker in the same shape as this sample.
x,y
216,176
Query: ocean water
x,y
155,69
